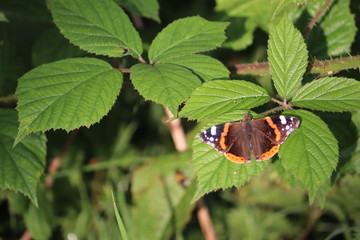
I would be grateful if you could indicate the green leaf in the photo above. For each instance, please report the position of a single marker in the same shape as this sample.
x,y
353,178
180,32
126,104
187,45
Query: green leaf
x,y
21,166
148,8
218,97
119,221
335,33
287,176
187,36
240,33
40,220
214,171
311,152
207,68
285,3
170,206
287,56
3,18
100,27
245,16
66,94
329,94
167,84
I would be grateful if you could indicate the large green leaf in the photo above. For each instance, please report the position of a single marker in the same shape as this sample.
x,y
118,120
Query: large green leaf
x,y
335,33
214,171
215,98
311,152
170,206
167,84
100,27
207,68
148,8
186,36
287,56
21,166
329,94
66,94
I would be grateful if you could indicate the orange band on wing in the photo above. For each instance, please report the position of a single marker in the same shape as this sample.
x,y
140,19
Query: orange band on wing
x,y
223,135
269,153
273,126
235,158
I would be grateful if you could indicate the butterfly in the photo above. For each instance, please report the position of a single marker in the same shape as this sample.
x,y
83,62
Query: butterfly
x,y
260,138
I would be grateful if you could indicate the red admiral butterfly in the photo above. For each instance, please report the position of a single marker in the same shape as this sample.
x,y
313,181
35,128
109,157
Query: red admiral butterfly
x,y
260,137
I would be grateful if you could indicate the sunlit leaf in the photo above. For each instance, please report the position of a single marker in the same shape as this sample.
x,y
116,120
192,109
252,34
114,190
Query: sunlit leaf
x,y
207,68
287,56
311,152
329,94
187,36
167,84
215,98
66,95
100,27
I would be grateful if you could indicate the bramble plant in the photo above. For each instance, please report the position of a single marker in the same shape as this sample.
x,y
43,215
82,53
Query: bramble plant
x,y
72,88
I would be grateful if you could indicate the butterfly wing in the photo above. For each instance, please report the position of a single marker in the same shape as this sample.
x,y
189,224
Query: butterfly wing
x,y
237,139
270,133
229,139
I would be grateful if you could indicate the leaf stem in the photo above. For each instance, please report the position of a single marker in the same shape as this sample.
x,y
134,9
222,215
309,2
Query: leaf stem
x,y
142,60
283,105
277,101
275,109
325,68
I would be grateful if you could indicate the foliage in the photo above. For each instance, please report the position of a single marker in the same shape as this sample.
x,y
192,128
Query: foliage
x,y
86,67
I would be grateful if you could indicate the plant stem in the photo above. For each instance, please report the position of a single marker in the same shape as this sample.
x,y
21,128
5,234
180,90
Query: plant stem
x,y
125,70
8,99
56,161
205,225
329,67
178,135
316,18
325,68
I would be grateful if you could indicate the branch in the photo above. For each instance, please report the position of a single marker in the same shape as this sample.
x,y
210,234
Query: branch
x,y
9,99
176,131
178,136
56,161
316,18
324,68
314,215
258,69
26,236
205,220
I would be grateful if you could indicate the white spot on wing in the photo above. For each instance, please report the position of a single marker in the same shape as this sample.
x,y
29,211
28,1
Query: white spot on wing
x,y
283,119
213,130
